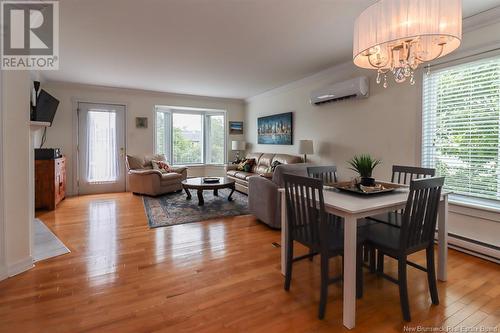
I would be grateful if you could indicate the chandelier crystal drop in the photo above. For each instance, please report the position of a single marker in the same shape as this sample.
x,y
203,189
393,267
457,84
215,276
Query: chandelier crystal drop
x,y
397,36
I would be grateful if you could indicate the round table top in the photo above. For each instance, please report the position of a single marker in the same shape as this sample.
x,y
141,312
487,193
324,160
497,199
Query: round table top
x,y
198,182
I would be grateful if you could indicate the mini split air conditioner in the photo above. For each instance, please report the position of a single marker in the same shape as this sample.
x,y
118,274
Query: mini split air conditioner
x,y
354,88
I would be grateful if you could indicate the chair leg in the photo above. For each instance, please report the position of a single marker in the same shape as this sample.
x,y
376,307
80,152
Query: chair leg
x,y
403,289
288,268
431,275
324,287
380,261
359,272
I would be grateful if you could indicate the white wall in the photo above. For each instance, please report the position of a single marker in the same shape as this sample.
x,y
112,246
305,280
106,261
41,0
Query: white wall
x,y
379,125
386,125
139,104
3,265
15,140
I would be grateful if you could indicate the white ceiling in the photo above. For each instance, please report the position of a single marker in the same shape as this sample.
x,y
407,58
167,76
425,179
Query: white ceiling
x,y
223,48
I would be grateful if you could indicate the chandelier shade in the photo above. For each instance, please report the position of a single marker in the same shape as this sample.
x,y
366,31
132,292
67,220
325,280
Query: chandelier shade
x,y
398,35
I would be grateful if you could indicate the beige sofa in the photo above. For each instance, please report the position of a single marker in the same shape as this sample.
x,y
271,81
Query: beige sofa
x,y
143,179
262,164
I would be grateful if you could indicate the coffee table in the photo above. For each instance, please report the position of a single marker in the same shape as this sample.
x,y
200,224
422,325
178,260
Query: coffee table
x,y
198,185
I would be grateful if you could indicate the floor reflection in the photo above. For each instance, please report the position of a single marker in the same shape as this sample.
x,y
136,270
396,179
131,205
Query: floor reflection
x,y
203,240
217,239
102,242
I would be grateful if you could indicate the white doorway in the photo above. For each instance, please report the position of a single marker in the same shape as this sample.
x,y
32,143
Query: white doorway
x,y
101,148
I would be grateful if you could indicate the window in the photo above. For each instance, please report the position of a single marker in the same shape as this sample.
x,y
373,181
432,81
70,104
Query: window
x,y
461,136
191,136
187,138
216,137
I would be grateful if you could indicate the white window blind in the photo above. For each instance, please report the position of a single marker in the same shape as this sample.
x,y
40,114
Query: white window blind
x,y
461,118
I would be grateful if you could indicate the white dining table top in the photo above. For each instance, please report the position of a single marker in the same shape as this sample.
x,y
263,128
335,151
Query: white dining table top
x,y
356,204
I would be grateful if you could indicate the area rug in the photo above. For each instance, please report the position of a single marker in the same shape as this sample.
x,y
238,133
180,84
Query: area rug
x,y
45,244
173,208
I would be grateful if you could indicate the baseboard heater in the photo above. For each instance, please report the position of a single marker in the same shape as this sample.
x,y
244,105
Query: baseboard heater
x,y
473,247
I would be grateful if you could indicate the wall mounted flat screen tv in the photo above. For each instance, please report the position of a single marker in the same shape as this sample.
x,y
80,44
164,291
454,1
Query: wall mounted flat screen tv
x,y
46,107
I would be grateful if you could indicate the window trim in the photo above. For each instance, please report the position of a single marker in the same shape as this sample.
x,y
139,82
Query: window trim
x,y
474,203
168,109
462,200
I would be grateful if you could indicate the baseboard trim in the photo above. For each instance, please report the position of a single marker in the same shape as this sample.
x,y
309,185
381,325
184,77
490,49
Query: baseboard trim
x,y
474,253
20,266
3,273
473,247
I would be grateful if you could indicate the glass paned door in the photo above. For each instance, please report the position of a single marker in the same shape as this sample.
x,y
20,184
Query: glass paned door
x,y
101,148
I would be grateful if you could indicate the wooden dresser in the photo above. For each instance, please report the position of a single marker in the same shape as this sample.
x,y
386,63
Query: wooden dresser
x,y
50,183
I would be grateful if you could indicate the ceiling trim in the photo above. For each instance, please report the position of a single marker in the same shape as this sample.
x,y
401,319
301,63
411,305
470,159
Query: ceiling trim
x,y
470,23
329,72
483,19
145,91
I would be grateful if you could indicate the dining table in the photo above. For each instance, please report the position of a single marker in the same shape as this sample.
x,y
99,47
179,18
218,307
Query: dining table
x,y
352,207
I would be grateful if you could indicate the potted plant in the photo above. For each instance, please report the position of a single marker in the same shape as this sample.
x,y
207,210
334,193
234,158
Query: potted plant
x,y
364,165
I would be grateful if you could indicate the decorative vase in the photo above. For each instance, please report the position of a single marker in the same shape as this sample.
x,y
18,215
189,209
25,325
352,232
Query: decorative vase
x,y
367,181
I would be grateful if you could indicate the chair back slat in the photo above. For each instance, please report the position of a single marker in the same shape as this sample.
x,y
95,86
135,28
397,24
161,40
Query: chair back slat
x,y
328,174
402,174
420,214
305,209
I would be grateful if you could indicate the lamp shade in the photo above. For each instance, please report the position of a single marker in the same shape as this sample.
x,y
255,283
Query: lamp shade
x,y
306,147
238,145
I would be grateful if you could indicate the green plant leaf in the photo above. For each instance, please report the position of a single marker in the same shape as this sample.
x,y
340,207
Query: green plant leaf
x,y
363,164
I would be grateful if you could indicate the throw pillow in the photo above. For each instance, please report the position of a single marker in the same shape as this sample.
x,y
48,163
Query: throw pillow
x,y
156,157
241,165
249,163
274,165
135,162
161,165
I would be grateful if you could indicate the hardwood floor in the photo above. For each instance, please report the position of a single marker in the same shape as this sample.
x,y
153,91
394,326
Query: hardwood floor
x,y
214,276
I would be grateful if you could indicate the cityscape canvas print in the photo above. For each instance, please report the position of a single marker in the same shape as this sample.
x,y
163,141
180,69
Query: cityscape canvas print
x,y
276,129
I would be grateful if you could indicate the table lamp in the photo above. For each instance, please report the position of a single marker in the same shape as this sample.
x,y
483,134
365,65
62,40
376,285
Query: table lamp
x,y
306,147
238,146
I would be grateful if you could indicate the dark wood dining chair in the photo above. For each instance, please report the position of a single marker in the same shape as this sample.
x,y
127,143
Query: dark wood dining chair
x,y
307,224
416,234
328,174
402,175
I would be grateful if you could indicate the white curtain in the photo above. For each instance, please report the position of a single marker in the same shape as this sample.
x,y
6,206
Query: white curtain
x,y
102,161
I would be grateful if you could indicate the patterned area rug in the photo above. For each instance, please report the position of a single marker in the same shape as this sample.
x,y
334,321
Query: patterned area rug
x,y
173,208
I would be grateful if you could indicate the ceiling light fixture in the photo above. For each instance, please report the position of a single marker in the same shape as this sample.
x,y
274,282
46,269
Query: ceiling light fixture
x,y
398,35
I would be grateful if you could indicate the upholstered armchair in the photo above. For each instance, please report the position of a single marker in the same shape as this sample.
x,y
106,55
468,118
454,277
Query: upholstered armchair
x,y
143,179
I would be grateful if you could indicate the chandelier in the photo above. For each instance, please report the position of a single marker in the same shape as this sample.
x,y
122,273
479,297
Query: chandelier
x,y
396,36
